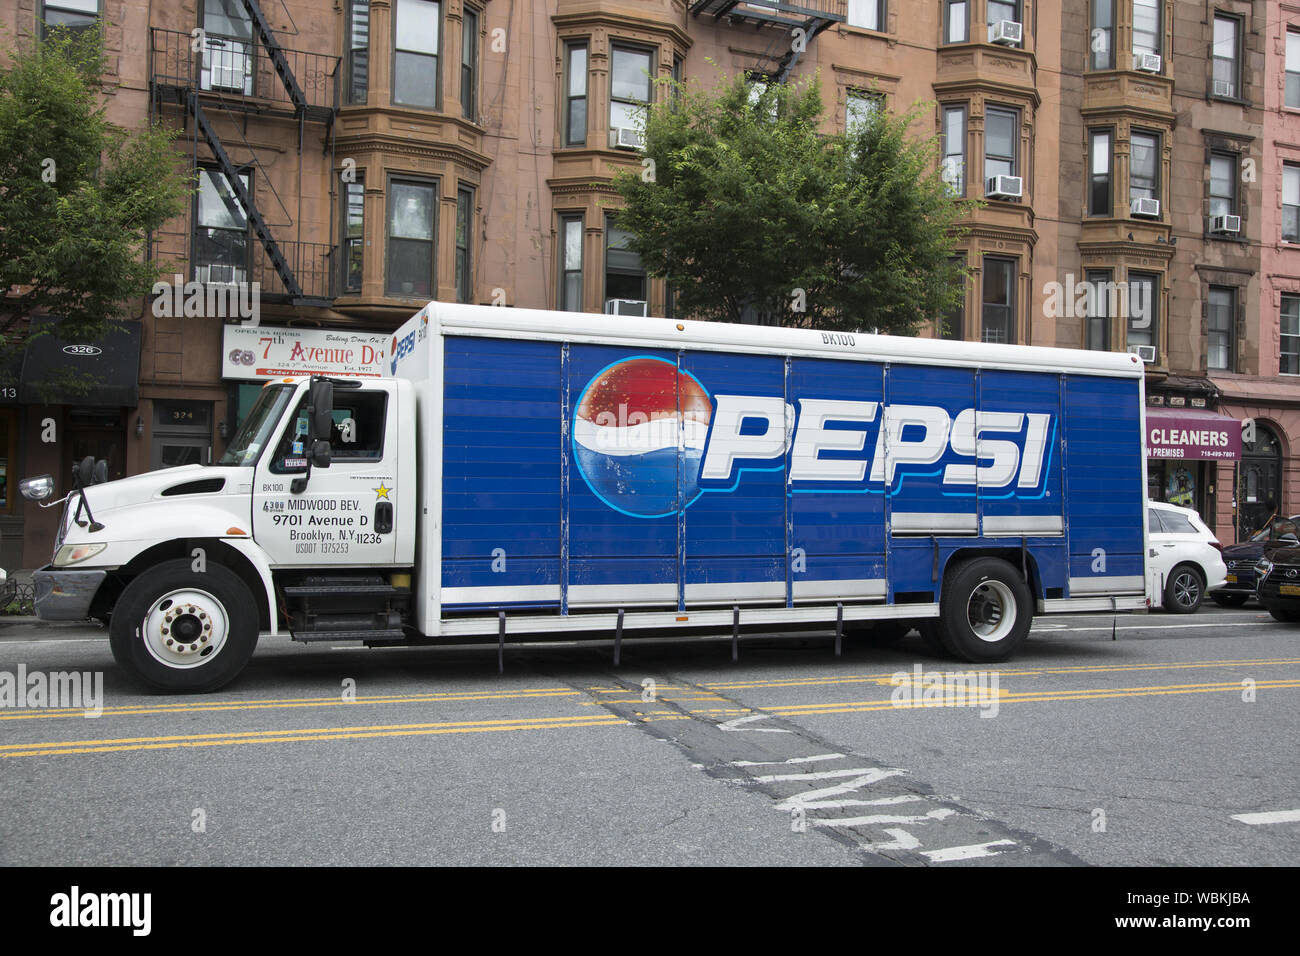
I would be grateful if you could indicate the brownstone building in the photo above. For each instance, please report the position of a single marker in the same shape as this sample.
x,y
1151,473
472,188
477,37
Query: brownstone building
x,y
356,159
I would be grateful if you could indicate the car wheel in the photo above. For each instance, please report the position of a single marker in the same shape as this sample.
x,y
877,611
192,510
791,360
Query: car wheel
x,y
1288,617
1184,590
183,631
985,611
1229,599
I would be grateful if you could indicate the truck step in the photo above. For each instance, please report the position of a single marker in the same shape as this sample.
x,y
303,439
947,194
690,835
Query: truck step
x,y
387,634
349,589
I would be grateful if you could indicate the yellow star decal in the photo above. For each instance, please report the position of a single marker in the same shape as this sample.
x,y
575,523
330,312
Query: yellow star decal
x,y
382,492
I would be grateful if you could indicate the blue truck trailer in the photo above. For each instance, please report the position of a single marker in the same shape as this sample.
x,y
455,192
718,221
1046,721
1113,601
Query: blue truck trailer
x,y
523,473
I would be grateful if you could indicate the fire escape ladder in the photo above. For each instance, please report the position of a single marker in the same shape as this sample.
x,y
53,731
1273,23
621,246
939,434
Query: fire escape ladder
x,y
274,51
278,261
809,16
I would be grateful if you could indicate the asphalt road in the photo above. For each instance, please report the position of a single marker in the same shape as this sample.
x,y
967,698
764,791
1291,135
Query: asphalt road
x,y
1174,744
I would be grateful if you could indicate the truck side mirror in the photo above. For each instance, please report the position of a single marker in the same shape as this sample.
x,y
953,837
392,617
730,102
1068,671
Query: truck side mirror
x,y
38,488
321,399
320,453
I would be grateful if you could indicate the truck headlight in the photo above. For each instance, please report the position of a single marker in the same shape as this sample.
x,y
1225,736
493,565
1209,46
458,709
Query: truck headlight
x,y
76,553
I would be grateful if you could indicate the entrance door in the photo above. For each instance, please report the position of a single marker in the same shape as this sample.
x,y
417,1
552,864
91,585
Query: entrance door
x,y
182,434
1259,481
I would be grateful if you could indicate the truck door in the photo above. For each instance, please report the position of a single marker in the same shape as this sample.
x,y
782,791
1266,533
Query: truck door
x,y
348,513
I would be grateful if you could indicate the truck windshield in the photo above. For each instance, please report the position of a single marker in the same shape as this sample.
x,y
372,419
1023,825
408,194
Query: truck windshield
x,y
259,427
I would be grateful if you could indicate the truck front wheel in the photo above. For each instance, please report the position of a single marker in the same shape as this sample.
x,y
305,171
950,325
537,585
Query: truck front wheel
x,y
183,631
985,611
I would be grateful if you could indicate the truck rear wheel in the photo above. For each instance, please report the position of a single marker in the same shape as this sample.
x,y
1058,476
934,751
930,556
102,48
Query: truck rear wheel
x,y
183,631
985,611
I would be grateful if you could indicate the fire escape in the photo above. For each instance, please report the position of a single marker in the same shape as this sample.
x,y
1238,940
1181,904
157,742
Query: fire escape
x,y
777,21
225,83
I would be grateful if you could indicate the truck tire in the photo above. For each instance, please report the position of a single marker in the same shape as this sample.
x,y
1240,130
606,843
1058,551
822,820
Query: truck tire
x,y
183,631
985,610
1184,590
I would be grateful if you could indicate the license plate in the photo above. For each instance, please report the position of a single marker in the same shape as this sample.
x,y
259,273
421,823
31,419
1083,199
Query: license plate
x,y
1232,579
1289,589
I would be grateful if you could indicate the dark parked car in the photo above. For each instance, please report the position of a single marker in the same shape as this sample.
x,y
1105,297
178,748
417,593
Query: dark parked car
x,y
1279,584
1241,559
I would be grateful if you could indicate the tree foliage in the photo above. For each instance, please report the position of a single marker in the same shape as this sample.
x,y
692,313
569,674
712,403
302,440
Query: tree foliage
x,y
77,194
748,210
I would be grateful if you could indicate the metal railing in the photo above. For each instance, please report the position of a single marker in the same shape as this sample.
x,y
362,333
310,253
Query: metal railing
x,y
313,265
239,72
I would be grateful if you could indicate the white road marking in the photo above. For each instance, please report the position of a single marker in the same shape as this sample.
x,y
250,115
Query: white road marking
x,y
1269,816
735,725
871,775
776,763
1160,627
816,799
57,640
902,841
974,851
939,814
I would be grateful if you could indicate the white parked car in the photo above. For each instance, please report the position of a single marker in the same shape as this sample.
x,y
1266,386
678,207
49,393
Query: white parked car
x,y
1185,554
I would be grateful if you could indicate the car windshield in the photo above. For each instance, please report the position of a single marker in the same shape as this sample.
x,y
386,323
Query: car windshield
x,y
258,427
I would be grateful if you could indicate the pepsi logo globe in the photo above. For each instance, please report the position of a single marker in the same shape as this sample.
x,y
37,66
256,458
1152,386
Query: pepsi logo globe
x,y
627,428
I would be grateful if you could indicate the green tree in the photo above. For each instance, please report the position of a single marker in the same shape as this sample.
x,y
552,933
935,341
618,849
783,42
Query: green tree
x,y
77,194
746,208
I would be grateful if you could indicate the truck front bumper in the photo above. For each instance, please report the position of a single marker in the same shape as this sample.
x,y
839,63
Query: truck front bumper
x,y
65,595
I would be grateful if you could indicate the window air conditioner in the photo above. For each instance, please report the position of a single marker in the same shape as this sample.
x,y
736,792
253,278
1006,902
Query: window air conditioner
x,y
1146,62
1006,32
1145,207
1147,353
627,307
1004,187
1225,224
626,138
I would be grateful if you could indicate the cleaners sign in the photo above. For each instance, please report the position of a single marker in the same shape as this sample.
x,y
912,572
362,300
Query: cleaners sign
x,y
259,353
1192,435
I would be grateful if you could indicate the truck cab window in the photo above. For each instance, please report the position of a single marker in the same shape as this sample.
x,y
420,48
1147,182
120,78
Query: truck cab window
x,y
357,435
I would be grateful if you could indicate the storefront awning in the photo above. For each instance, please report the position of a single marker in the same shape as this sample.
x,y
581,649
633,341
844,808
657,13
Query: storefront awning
x,y
1192,434
104,372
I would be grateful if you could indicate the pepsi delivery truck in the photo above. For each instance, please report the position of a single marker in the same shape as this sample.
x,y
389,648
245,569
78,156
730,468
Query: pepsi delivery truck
x,y
517,475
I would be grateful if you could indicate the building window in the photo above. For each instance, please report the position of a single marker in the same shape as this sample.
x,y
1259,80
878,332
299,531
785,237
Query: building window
x,y
415,53
624,276
999,10
221,246
629,89
570,297
1144,166
1219,337
1146,26
953,325
1100,292
469,65
1290,203
1101,41
358,60
575,112
354,232
998,316
74,16
411,213
1223,184
859,108
1224,56
1143,308
1001,132
954,149
1289,343
1293,69
227,60
1100,173
464,240
868,14
956,25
